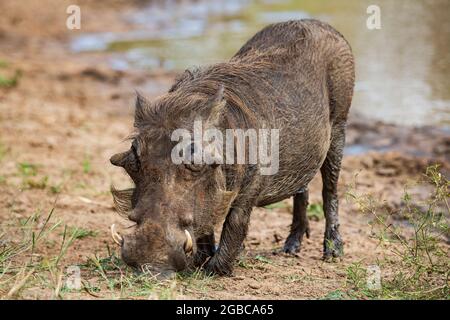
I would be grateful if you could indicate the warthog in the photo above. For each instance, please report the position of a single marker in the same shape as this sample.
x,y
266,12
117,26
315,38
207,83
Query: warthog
x,y
296,76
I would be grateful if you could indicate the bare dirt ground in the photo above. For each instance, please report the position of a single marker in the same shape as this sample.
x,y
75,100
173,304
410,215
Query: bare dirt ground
x,y
68,114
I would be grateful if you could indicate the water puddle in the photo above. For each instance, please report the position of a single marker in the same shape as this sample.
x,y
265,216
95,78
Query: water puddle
x,y
402,70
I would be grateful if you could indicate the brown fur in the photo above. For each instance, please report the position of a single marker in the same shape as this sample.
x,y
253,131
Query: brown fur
x,y
297,77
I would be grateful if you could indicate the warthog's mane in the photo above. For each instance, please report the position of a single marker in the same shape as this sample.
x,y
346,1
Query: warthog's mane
x,y
193,89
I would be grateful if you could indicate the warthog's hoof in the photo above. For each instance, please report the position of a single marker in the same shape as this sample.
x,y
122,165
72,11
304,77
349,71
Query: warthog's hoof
x,y
293,243
214,267
292,246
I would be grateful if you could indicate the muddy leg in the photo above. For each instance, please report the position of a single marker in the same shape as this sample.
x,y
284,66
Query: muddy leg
x,y
234,231
300,224
332,245
205,249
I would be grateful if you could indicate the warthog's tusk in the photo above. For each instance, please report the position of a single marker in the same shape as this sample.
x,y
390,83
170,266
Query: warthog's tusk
x,y
116,237
188,244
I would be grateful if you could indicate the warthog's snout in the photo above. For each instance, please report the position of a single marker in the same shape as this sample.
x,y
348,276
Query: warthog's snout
x,y
153,255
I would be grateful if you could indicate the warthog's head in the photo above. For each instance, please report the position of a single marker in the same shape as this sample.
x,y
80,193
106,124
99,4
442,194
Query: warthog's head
x,y
172,204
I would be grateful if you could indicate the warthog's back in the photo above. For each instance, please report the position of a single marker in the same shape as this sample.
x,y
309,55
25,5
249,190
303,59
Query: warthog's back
x,y
302,69
295,76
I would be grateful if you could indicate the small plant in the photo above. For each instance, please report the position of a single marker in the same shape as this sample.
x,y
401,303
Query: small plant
x,y
41,183
292,278
80,233
198,280
22,262
243,263
315,212
9,82
419,267
3,64
55,189
262,259
27,169
277,205
336,295
86,165
356,275
123,282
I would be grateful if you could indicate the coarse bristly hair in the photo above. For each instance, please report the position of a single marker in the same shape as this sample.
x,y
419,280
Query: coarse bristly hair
x,y
122,200
296,77
192,92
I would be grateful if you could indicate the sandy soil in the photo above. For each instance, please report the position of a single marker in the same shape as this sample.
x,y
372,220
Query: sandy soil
x,y
69,113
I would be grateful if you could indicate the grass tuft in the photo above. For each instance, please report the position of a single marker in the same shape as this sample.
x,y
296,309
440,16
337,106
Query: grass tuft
x,y
416,264
315,212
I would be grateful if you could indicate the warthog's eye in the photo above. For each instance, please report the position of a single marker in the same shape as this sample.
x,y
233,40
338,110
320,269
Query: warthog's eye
x,y
136,162
134,148
190,165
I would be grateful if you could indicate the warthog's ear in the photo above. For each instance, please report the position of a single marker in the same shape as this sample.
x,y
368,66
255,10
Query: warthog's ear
x,y
216,107
141,108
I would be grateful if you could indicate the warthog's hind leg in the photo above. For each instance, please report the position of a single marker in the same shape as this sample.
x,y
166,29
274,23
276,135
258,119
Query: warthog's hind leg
x,y
332,245
300,224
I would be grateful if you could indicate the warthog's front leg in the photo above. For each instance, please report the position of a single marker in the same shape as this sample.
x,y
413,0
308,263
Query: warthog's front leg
x,y
205,248
233,234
